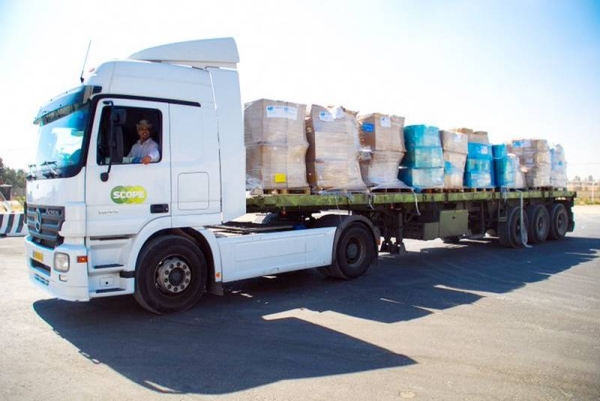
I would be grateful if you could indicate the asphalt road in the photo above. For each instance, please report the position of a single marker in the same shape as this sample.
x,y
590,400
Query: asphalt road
x,y
441,322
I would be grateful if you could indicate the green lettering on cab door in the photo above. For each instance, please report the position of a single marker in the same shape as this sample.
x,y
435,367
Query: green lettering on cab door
x,y
128,194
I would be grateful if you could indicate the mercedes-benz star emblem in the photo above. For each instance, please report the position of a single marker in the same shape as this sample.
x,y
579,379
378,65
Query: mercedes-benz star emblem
x,y
38,220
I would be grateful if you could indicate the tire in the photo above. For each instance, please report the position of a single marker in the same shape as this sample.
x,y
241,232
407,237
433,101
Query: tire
x,y
539,224
559,221
509,231
170,275
354,253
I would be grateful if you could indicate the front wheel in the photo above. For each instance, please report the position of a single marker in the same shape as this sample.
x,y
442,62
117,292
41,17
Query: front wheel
x,y
170,275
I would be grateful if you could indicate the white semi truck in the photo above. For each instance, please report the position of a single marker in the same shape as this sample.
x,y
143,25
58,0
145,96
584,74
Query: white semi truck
x,y
101,225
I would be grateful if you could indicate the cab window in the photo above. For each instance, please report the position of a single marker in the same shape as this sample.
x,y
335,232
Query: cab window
x,y
137,140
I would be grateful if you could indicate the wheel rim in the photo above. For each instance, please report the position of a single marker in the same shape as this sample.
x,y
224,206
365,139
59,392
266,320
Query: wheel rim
x,y
354,252
173,275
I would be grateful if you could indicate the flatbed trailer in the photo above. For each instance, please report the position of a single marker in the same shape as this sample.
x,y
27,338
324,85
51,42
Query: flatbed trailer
x,y
446,214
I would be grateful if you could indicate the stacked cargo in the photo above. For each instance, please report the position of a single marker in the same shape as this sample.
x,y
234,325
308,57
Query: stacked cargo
x,y
507,168
479,166
423,165
276,145
382,148
558,173
534,155
332,157
455,147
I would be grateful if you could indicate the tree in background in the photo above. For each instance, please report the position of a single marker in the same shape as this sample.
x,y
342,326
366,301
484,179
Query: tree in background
x,y
16,178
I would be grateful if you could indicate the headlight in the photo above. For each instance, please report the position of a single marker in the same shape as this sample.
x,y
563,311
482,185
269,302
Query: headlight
x,y
61,262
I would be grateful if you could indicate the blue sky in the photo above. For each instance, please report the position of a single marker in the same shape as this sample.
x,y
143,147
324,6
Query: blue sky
x,y
517,69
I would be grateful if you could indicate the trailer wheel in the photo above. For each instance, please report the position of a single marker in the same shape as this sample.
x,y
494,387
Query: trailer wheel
x,y
559,221
354,253
509,231
539,223
170,275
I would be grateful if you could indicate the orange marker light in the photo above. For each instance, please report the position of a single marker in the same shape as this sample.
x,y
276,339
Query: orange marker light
x,y
82,259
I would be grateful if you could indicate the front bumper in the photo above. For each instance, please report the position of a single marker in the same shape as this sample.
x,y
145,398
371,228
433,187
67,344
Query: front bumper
x,y
72,285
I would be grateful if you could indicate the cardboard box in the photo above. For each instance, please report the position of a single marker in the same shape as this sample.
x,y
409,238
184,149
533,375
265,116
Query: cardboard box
x,y
333,152
381,132
274,122
277,166
381,168
456,142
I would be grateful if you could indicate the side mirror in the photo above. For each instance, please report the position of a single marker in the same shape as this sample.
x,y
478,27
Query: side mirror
x,y
118,117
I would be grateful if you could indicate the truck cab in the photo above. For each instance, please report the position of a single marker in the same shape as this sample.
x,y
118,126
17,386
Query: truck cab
x,y
102,224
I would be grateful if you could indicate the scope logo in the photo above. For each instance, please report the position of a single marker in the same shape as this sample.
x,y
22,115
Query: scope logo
x,y
128,194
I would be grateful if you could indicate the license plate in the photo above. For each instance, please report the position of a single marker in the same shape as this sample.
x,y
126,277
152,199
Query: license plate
x,y
38,256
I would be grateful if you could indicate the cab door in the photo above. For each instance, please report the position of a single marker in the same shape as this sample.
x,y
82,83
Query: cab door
x,y
133,194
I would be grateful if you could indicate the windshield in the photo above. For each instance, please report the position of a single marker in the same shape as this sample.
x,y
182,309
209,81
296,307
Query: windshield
x,y
60,143
62,127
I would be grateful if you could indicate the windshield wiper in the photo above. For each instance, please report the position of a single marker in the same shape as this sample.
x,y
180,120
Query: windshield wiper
x,y
52,173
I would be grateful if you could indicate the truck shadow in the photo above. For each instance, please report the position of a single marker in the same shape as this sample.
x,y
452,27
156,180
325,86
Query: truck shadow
x,y
253,335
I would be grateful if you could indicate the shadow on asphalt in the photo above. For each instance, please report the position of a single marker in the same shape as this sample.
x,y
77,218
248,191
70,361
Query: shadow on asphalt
x,y
225,344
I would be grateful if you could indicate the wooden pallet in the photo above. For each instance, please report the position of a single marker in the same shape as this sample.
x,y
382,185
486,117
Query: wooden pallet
x,y
392,190
480,189
289,191
430,190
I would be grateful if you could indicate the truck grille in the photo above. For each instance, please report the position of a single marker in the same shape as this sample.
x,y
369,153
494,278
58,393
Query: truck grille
x,y
44,223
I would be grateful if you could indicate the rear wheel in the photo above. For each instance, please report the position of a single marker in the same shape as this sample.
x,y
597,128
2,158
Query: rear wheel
x,y
355,250
539,223
170,275
509,231
559,221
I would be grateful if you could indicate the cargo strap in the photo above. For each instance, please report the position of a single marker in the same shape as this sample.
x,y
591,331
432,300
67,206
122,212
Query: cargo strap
x,y
524,237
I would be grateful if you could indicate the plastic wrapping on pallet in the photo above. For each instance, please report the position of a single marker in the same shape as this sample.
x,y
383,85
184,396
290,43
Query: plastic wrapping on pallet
x,y
276,145
558,173
506,169
381,169
424,178
479,167
332,159
335,174
478,179
381,132
277,166
499,151
423,164
421,136
455,142
424,157
534,156
454,169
